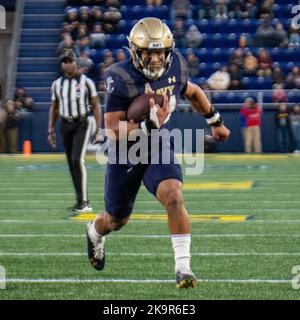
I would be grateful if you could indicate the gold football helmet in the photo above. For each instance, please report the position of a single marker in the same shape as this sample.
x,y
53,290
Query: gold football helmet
x,y
150,34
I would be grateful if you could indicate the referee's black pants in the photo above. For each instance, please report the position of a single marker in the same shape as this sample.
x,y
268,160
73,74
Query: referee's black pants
x,y
75,135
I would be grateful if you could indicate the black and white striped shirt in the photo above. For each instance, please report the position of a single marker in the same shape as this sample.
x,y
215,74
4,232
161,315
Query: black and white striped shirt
x,y
73,95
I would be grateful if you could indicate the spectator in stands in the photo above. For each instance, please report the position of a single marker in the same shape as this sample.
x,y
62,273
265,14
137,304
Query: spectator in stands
x,y
28,105
252,113
101,71
293,79
113,3
85,17
69,28
265,10
82,30
111,19
97,15
295,127
20,95
237,58
221,9
181,9
281,35
179,33
98,37
23,103
156,3
278,94
235,9
250,64
240,9
67,44
264,64
11,127
283,127
294,36
120,55
193,62
245,40
207,10
236,76
71,15
193,37
265,35
83,44
278,76
2,121
108,60
219,80
84,63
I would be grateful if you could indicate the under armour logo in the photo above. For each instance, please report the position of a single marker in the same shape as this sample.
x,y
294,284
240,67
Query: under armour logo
x,y
2,18
173,79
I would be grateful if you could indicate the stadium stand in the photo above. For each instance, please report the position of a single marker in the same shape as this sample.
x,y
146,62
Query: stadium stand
x,y
41,32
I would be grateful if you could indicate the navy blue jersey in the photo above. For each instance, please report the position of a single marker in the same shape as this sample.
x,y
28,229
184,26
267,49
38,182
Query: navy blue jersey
x,y
124,83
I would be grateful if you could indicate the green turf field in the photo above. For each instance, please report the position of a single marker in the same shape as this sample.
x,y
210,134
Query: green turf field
x,y
44,252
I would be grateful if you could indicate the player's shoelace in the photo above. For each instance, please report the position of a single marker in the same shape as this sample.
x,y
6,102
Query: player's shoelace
x,y
99,249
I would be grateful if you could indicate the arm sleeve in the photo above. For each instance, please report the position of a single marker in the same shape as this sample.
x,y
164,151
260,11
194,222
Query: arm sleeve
x,y
117,98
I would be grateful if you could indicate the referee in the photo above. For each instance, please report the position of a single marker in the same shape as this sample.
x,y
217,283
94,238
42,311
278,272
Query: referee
x,y
71,97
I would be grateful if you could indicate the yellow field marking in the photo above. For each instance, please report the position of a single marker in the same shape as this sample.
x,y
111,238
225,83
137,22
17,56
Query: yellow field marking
x,y
163,217
252,156
45,157
219,185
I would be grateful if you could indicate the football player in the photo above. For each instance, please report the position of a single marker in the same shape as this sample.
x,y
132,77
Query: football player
x,y
154,67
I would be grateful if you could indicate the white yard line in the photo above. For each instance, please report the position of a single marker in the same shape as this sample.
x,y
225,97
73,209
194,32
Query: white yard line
x,y
70,280
146,236
137,254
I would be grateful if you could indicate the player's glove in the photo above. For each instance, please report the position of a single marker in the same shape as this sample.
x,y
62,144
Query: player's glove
x,y
147,125
97,136
153,122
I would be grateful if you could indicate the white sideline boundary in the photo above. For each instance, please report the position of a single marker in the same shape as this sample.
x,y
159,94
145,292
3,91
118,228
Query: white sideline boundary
x,y
145,280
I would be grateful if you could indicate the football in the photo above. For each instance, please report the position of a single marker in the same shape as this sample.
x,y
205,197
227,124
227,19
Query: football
x,y
139,109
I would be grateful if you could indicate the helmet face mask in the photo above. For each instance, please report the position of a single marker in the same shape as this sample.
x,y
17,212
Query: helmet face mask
x,y
150,35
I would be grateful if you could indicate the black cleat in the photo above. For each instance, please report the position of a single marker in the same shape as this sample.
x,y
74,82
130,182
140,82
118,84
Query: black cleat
x,y
185,279
73,207
96,252
84,206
